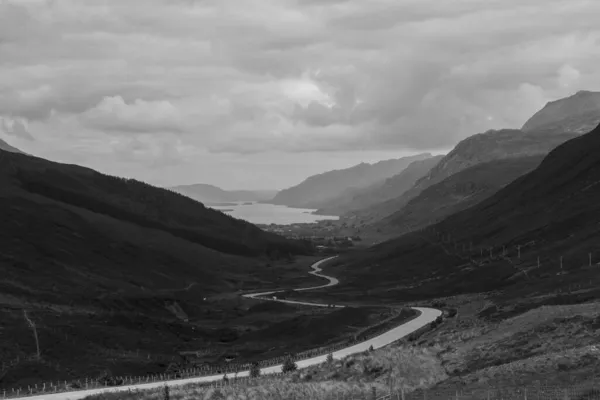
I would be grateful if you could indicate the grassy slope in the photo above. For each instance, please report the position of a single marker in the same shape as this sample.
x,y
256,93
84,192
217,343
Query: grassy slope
x,y
101,263
549,347
458,192
476,149
317,190
556,205
381,191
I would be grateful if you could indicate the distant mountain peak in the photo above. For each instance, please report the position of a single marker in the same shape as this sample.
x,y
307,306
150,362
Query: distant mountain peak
x,y
578,113
207,193
318,190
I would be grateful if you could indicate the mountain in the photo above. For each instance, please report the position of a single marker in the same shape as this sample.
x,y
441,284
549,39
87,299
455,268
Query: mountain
x,y
213,194
458,192
384,190
554,124
7,147
554,209
135,202
317,190
578,113
101,262
474,150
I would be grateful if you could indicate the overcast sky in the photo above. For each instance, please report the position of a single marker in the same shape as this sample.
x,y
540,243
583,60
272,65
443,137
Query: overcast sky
x,y
262,93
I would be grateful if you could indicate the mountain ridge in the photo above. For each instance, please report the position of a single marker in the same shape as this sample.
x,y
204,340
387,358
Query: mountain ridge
x,y
458,192
476,149
380,191
207,193
557,122
578,113
316,190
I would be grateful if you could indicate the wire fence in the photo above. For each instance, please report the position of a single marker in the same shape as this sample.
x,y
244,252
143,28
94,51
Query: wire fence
x,y
528,259
175,372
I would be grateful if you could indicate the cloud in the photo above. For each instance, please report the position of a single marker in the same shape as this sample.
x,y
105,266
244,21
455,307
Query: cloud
x,y
295,76
114,114
16,128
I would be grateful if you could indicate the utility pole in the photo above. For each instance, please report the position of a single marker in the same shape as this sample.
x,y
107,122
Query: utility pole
x,y
538,261
561,263
519,250
590,258
491,254
503,250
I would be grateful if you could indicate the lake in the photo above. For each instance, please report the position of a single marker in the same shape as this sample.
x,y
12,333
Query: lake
x,y
258,213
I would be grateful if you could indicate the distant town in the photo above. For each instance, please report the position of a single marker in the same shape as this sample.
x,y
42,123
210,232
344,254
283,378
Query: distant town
x,y
323,234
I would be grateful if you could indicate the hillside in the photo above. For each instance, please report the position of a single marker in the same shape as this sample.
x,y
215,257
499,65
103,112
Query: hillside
x,y
556,206
101,262
136,202
317,190
458,192
212,194
476,149
387,189
555,123
578,113
7,147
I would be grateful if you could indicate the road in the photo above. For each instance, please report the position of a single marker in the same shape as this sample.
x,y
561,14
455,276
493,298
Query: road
x,y
317,272
426,316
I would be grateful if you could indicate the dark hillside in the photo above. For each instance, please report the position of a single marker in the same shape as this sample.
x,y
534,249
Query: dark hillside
x,y
387,189
458,192
114,272
474,150
555,209
139,203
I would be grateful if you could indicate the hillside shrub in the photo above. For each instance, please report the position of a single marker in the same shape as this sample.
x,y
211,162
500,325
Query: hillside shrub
x,y
254,370
289,366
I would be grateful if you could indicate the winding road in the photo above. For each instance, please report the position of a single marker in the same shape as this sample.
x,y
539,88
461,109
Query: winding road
x,y
426,316
317,272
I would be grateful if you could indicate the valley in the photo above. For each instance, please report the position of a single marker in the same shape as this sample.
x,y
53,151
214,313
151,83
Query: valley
x,y
108,277
299,200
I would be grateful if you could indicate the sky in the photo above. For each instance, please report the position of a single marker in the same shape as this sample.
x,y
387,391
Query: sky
x,y
260,94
